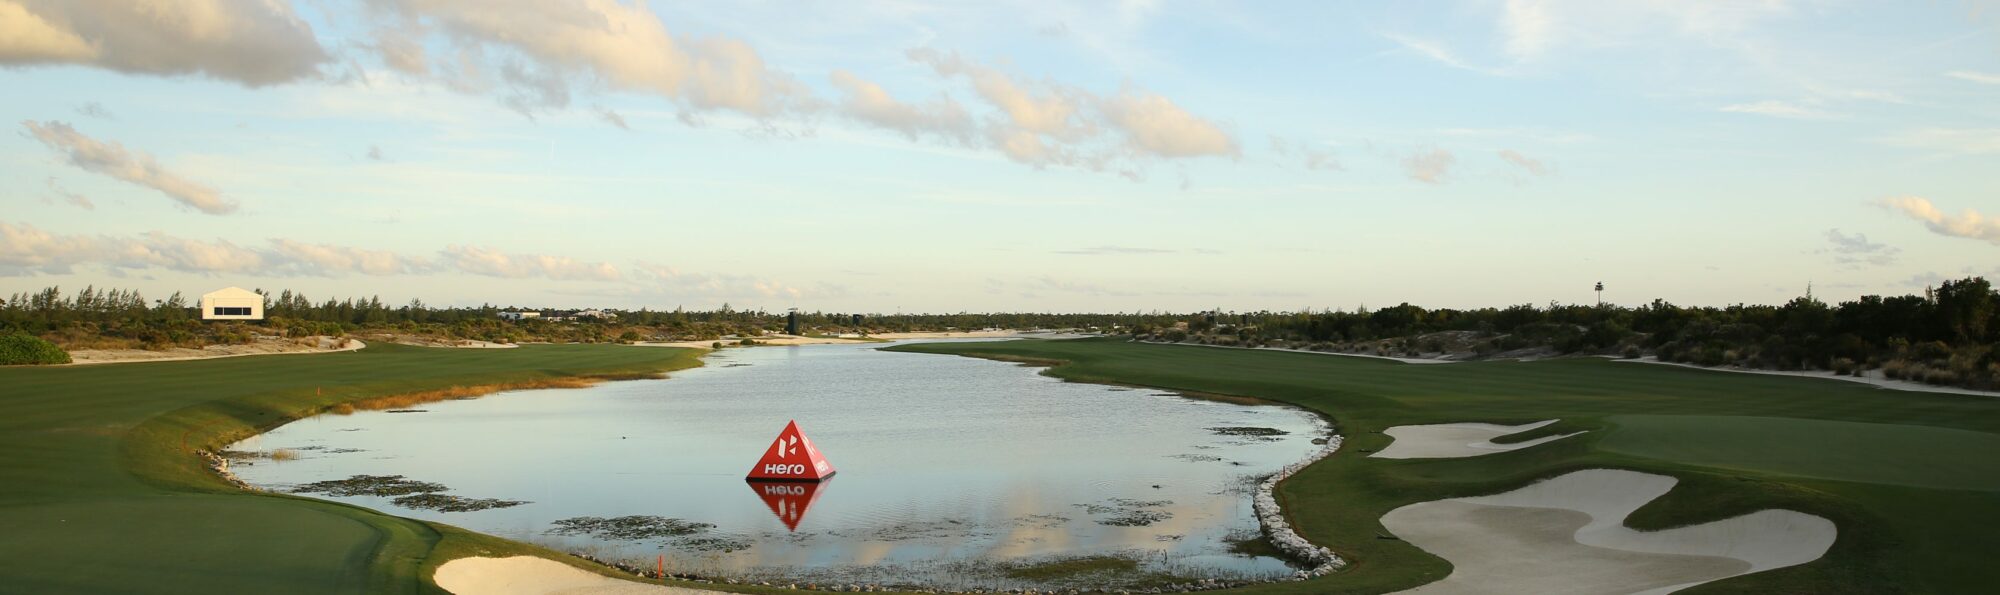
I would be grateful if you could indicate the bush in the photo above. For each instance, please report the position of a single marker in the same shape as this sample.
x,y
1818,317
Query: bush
x,y
18,349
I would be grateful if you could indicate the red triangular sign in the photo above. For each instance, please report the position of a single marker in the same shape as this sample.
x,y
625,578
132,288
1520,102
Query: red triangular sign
x,y
788,499
791,458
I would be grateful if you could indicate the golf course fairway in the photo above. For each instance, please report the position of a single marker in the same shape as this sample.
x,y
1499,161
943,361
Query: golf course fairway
x,y
1905,476
102,489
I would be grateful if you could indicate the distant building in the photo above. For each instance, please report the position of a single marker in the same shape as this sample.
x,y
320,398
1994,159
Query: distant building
x,y
523,315
232,303
599,314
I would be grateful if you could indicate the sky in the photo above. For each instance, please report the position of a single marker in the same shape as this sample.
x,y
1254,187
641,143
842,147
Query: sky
x,y
895,156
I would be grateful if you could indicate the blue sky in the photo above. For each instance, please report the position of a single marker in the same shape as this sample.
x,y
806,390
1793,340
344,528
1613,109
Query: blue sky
x,y
884,156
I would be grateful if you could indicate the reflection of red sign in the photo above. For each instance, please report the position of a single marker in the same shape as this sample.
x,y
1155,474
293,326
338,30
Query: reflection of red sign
x,y
791,458
788,499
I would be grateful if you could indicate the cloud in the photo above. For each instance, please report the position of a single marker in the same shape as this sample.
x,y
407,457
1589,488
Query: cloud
x,y
1855,250
1524,162
1437,52
1529,26
72,198
251,42
869,103
94,110
612,118
374,153
1977,77
1154,124
1045,123
494,263
1430,167
113,159
540,46
1959,140
327,260
1779,109
25,249
1967,224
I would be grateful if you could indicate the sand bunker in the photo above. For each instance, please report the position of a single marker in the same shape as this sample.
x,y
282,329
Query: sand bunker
x,y
528,575
1450,441
1567,535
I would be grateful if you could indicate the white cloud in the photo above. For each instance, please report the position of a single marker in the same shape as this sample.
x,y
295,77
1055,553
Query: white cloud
x,y
1977,77
1155,125
871,104
1048,123
1524,162
23,248
328,260
1779,109
1967,224
1529,26
113,159
1430,167
1961,140
1438,52
624,46
494,263
252,42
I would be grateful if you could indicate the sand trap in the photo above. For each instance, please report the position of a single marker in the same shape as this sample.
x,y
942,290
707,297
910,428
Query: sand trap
x,y
1450,441
529,575
1567,535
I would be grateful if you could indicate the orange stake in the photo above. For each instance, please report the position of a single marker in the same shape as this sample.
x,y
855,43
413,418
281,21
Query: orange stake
x,y
663,566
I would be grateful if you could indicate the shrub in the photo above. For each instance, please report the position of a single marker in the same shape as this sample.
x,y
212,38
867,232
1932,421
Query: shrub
x,y
18,349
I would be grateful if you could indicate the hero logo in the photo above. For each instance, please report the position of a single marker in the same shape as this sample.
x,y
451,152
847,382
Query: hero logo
x,y
783,469
785,490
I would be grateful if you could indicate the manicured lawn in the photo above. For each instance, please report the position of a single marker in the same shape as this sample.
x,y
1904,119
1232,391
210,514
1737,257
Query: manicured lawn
x,y
1906,476
100,490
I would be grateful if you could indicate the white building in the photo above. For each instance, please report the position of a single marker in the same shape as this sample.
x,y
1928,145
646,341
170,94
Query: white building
x,y
232,303
519,315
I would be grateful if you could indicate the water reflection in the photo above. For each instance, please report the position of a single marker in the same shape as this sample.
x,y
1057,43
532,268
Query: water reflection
x,y
789,499
953,469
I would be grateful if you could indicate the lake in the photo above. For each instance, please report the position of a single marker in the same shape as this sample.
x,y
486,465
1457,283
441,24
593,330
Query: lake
x,y
953,472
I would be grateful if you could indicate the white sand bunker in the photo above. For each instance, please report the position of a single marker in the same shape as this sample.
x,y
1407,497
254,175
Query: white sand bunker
x,y
1450,441
1567,535
529,575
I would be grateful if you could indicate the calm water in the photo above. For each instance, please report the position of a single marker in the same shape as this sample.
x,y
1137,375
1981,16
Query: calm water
x,y
952,470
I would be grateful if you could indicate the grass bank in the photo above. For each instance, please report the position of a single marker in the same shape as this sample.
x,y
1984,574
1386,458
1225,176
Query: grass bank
x,y
101,490
1908,520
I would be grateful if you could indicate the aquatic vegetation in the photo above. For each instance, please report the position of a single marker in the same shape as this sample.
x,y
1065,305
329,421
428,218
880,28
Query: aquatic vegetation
x,y
1248,431
370,485
450,503
628,528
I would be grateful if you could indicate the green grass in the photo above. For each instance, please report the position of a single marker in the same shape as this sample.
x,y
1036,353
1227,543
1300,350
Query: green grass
x,y
1874,461
100,490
